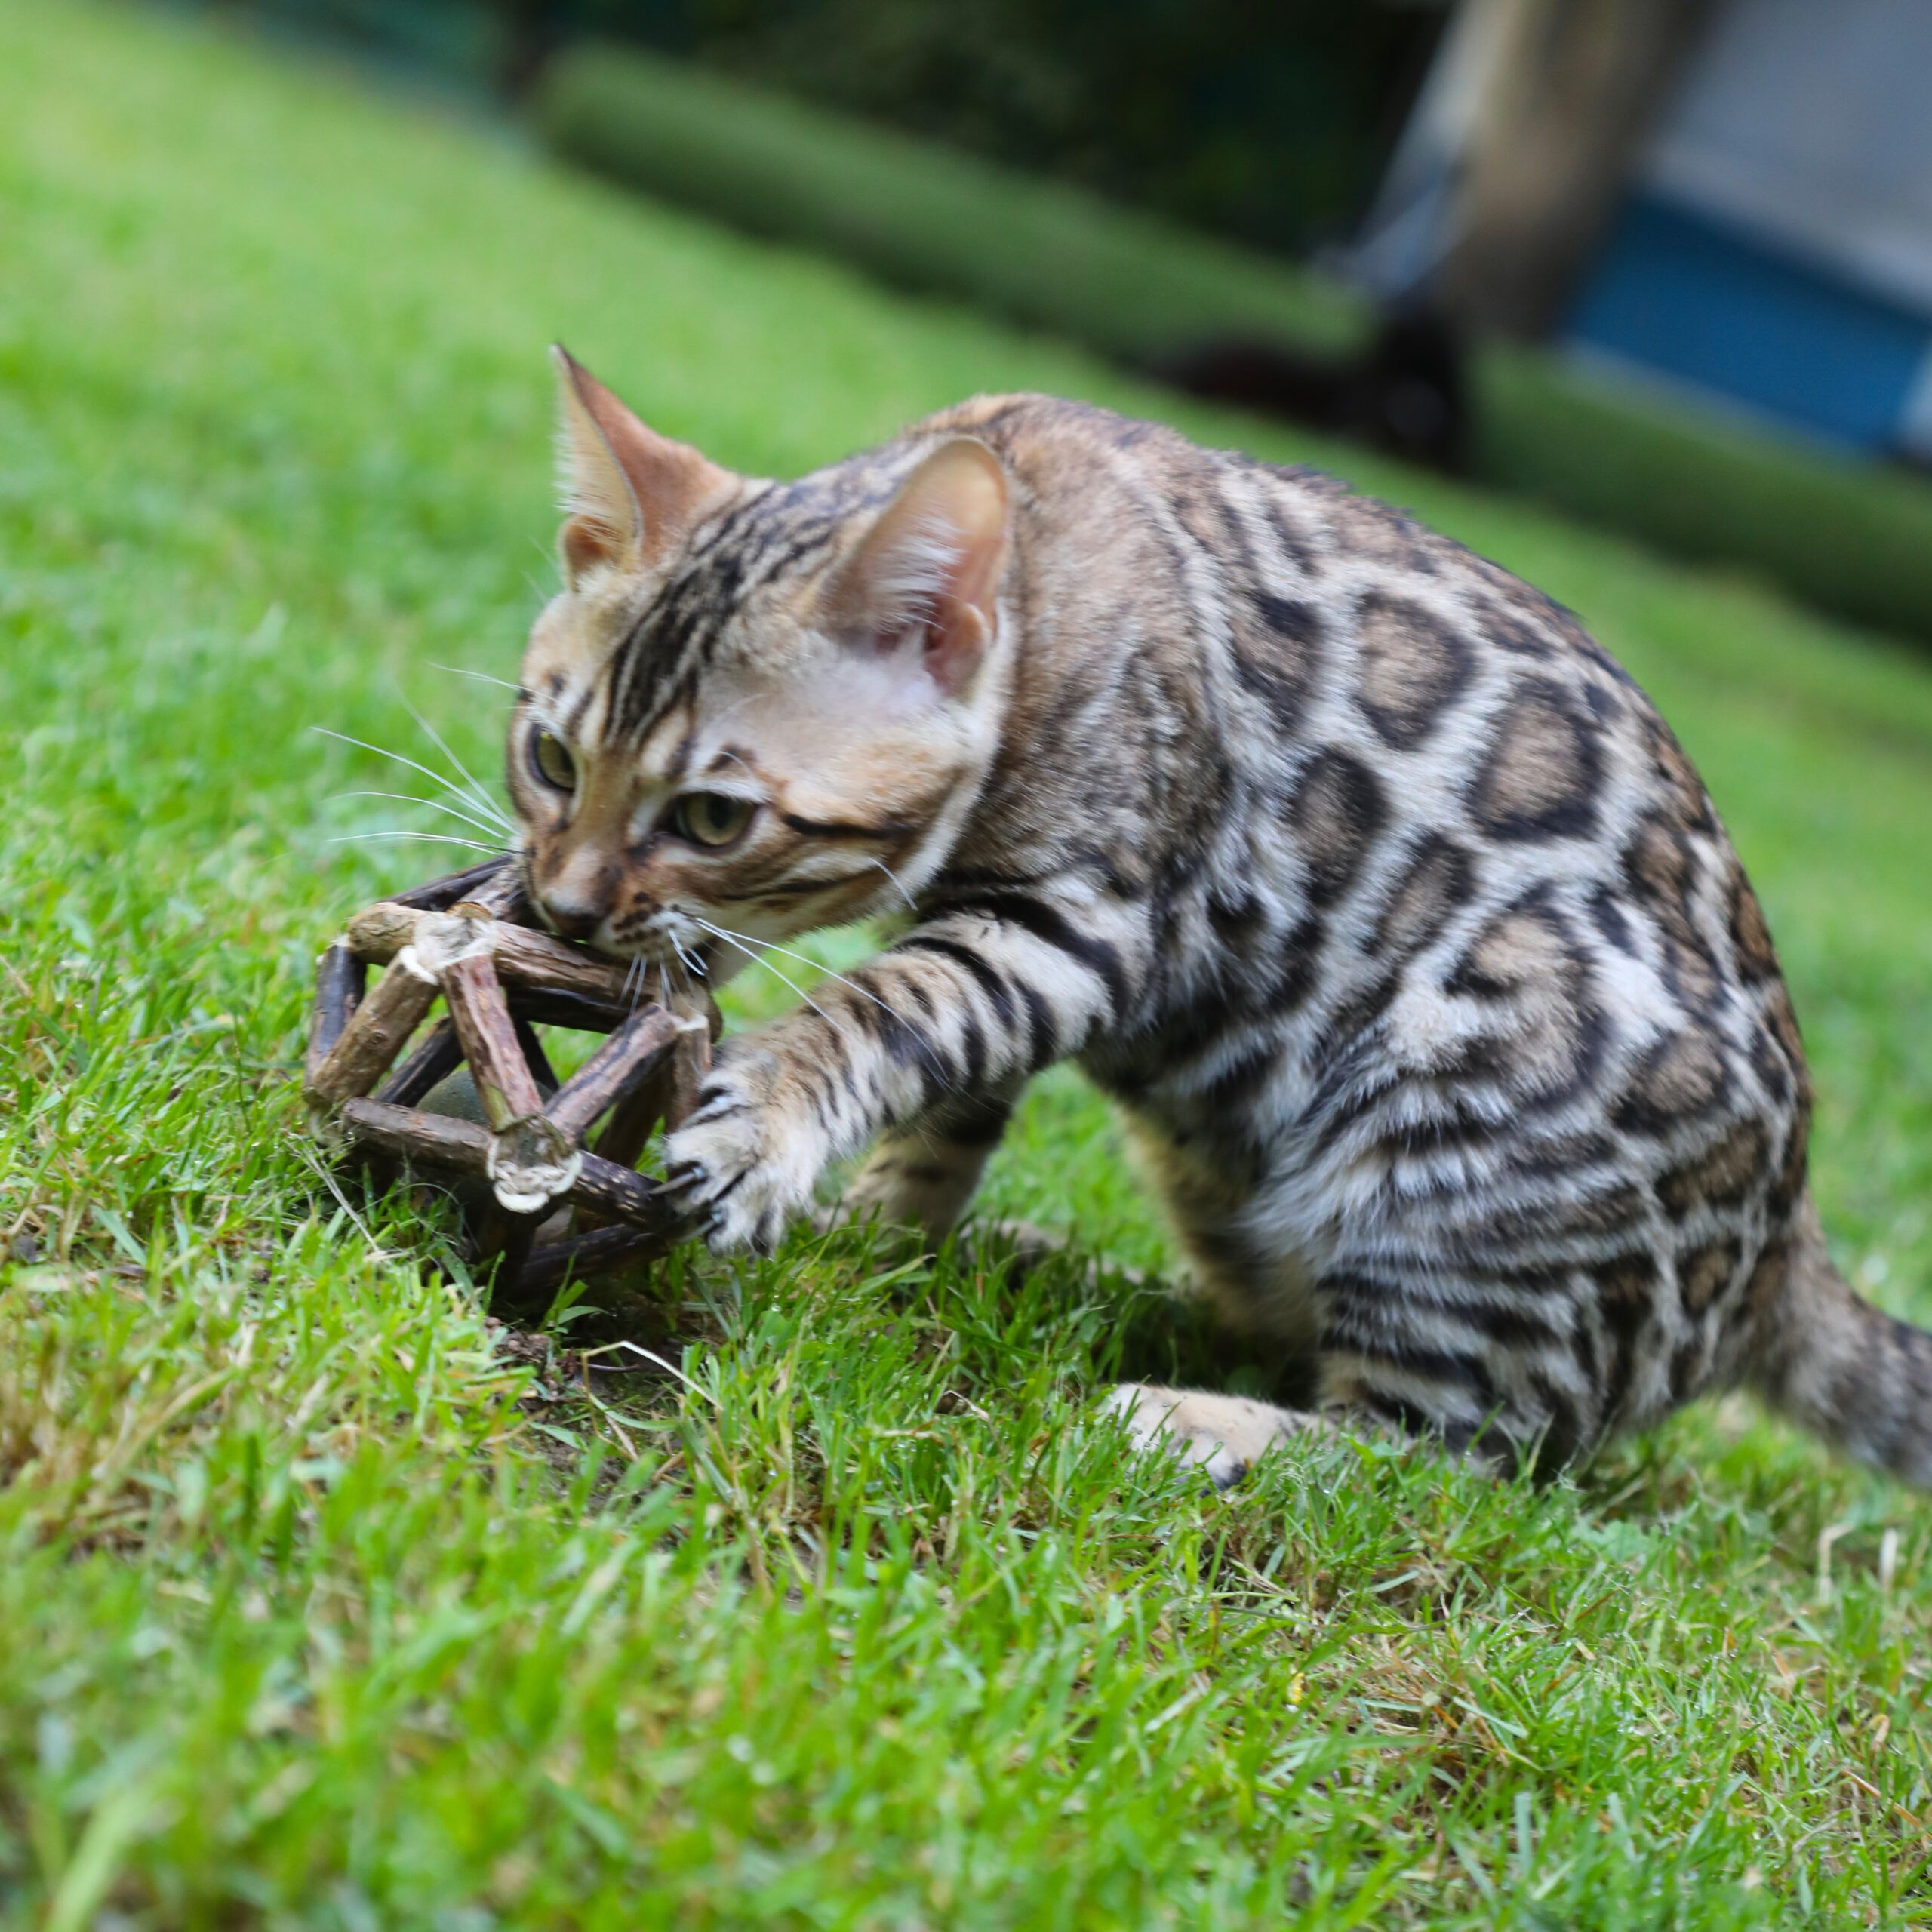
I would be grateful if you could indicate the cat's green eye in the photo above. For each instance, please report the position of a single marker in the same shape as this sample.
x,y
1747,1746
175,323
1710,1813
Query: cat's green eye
x,y
710,818
550,759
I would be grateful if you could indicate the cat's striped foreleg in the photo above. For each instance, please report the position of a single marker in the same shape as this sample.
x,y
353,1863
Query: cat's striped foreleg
x,y
958,1012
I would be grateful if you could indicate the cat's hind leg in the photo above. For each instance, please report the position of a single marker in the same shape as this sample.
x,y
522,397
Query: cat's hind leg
x,y
1263,1299
923,1174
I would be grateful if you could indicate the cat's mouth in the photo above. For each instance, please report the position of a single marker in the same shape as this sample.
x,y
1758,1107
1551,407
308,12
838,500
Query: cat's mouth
x,y
667,938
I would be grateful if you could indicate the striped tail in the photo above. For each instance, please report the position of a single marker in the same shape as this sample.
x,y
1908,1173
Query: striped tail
x,y
1848,1371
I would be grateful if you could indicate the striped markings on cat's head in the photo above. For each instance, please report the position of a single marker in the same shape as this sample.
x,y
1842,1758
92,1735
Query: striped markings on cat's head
x,y
754,709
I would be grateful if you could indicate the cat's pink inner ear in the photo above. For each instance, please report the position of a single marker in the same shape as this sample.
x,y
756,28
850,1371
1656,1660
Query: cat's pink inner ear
x,y
929,568
629,494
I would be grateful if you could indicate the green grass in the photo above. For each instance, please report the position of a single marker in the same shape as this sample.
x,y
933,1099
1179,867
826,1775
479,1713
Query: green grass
x,y
1842,534
324,1603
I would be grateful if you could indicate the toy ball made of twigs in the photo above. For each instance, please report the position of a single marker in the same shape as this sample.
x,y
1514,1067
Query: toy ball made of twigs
x,y
546,1203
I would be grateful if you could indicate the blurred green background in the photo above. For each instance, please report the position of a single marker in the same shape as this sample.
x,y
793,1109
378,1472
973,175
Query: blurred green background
x,y
1610,290
327,1600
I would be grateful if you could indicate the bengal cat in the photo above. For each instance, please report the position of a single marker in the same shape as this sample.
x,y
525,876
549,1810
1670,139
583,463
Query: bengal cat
x,y
1373,890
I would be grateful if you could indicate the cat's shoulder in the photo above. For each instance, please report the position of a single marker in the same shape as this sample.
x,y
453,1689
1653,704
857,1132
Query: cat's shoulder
x,y
1318,518
1016,424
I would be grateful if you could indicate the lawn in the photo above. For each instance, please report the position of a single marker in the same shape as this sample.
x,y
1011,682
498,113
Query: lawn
x,y
324,1602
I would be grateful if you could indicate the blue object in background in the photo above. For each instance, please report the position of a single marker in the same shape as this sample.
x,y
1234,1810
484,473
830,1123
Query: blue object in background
x,y
1700,300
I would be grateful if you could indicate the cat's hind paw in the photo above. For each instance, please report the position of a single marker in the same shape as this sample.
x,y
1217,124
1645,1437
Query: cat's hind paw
x,y
1226,1435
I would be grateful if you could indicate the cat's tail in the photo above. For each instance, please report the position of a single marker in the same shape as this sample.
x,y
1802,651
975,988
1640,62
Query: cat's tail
x,y
1846,1370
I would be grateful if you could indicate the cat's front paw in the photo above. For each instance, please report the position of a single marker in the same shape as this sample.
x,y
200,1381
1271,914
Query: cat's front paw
x,y
742,1166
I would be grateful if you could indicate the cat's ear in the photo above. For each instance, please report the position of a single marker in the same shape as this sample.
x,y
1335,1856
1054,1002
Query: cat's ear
x,y
928,570
628,493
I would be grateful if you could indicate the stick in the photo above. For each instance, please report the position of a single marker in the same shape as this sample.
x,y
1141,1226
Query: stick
x,y
627,1132
379,932
501,896
377,1031
488,1035
506,1239
670,1095
434,1140
462,1147
435,895
535,959
689,1065
340,979
545,1270
623,1064
582,1014
625,1192
531,1164
523,957
534,1057
436,1056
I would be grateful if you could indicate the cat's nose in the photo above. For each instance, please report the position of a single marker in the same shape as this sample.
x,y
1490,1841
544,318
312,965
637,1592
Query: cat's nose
x,y
576,896
573,917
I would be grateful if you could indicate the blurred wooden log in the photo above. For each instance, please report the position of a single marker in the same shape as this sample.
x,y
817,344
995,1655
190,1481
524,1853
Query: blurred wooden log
x,y
625,1062
1561,95
341,978
436,1057
436,895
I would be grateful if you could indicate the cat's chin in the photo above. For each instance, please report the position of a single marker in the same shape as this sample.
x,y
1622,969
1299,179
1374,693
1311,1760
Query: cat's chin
x,y
708,965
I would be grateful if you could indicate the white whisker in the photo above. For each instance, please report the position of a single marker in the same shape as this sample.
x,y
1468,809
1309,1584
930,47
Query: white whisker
x,y
912,905
433,804
435,778
803,959
758,959
695,967
426,837
780,976
481,677
477,793
731,710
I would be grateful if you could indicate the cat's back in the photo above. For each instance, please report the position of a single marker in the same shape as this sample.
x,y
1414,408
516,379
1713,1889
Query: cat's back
x,y
1288,563
1409,770
1303,623
1451,969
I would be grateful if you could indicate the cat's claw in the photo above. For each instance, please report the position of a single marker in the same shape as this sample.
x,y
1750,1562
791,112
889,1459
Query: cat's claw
x,y
739,1168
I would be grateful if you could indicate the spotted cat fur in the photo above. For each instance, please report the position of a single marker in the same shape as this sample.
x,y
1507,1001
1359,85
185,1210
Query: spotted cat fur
x,y
1371,888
